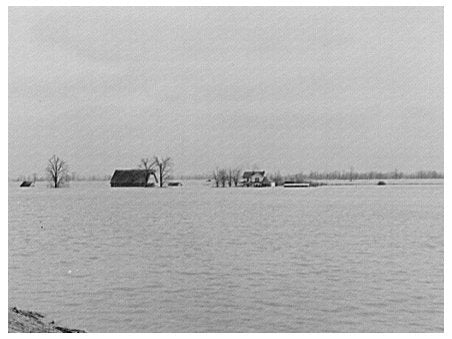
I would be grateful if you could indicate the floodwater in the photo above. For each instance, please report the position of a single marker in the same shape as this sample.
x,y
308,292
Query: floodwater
x,y
197,258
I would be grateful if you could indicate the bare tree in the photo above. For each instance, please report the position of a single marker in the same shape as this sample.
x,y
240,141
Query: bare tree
x,y
229,177
164,168
223,174
148,165
216,177
236,176
277,178
57,171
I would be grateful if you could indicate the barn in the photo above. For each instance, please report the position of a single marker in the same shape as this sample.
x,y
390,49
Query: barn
x,y
132,178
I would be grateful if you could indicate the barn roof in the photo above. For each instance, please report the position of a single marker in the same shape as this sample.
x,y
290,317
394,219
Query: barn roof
x,y
130,177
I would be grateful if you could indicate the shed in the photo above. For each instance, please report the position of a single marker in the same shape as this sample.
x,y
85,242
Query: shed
x,y
26,183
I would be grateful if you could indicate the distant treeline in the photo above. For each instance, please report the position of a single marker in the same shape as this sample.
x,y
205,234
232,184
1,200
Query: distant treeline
x,y
277,177
352,175
225,175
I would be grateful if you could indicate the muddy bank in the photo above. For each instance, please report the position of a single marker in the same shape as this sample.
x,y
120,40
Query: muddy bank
x,y
32,322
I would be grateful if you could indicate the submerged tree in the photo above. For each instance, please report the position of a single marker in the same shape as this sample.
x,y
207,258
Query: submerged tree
x,y
226,176
57,171
164,168
229,177
277,178
216,177
236,176
148,165
223,174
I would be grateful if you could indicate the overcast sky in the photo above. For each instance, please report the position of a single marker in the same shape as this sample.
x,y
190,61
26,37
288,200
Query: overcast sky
x,y
294,89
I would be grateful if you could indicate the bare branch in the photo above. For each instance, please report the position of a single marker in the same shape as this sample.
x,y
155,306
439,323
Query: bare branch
x,y
57,171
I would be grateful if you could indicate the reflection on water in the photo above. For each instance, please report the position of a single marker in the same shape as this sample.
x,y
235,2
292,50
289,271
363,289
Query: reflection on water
x,y
196,258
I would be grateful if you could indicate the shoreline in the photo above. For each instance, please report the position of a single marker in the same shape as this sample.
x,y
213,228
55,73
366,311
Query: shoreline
x,y
20,321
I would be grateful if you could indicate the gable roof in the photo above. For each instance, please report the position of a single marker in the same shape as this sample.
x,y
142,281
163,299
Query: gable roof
x,y
131,177
249,174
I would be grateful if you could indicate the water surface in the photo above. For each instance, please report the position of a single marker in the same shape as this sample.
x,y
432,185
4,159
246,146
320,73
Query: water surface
x,y
195,258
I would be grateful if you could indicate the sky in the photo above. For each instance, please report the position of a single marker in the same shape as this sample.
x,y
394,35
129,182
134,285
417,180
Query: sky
x,y
276,88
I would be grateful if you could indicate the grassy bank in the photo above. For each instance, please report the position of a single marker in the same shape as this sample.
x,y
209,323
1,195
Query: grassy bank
x,y
20,321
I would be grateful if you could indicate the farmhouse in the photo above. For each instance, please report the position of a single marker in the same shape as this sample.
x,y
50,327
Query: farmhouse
x,y
254,179
132,178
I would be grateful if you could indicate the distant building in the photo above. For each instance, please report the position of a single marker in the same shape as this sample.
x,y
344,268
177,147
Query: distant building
x,y
255,179
132,178
174,184
27,183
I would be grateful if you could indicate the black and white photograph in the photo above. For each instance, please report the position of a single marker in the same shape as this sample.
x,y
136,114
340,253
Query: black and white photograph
x,y
225,169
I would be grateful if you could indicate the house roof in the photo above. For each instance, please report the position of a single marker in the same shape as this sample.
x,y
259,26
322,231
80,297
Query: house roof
x,y
131,177
249,174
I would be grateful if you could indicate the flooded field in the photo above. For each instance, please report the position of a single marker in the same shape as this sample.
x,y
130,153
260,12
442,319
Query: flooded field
x,y
194,258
